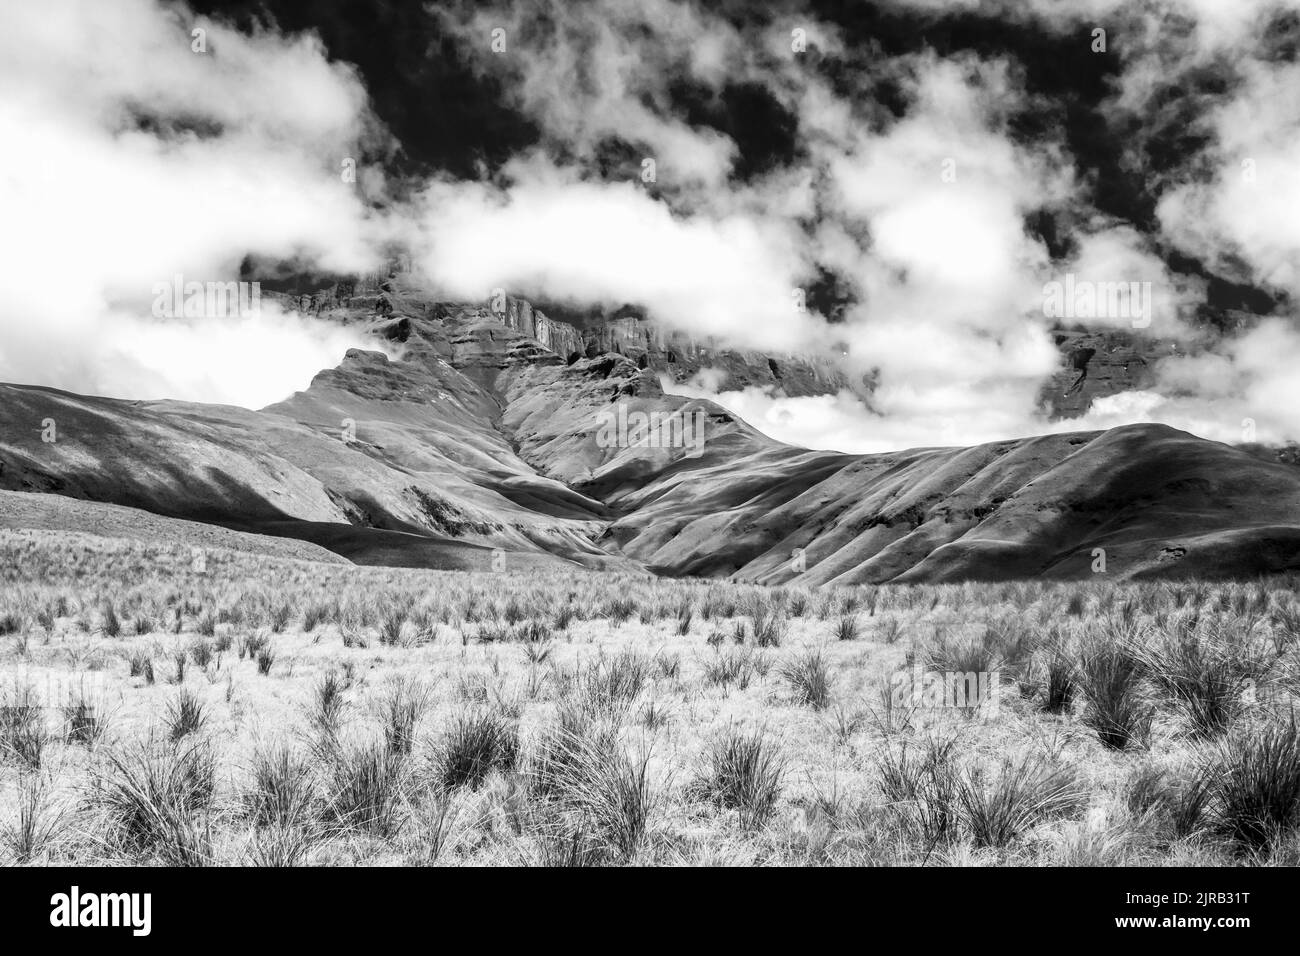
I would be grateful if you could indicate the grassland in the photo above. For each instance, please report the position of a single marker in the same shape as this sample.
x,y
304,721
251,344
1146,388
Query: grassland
x,y
245,709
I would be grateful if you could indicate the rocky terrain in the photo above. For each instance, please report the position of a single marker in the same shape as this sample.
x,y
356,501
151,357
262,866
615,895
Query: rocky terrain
x,y
471,437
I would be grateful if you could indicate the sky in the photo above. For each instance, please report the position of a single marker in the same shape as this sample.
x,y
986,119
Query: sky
x,y
892,185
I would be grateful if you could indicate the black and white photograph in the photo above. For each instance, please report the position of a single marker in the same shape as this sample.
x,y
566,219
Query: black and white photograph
x,y
646,434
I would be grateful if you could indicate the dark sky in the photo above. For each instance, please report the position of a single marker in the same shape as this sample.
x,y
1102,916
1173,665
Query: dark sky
x,y
447,117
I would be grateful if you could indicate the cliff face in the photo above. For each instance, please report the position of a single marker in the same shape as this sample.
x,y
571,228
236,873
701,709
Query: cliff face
x,y
1099,363
678,355
1094,363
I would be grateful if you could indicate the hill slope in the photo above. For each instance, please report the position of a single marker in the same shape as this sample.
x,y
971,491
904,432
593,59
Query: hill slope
x,y
462,442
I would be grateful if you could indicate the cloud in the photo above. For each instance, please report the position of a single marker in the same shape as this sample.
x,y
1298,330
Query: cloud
x,y
131,158
906,176
552,237
586,73
1242,217
1245,391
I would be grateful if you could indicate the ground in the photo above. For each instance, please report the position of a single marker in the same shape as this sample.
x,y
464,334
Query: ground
x,y
162,704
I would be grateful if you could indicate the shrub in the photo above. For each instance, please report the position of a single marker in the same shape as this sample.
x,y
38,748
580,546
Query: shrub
x,y
846,629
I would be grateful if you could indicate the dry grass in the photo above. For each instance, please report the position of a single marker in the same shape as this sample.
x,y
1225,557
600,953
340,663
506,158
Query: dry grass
x,y
285,713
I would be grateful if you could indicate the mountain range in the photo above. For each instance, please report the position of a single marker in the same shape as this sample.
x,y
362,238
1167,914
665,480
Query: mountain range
x,y
476,436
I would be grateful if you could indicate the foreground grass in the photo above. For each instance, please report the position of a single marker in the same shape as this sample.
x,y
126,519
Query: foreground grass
x,y
285,713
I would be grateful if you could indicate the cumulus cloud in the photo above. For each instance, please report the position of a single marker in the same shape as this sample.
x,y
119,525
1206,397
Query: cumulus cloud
x,y
546,236
1243,216
1246,391
135,158
923,216
586,74
131,158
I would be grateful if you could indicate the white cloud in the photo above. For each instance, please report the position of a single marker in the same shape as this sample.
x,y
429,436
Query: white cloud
x,y
600,70
98,209
556,238
1248,209
131,158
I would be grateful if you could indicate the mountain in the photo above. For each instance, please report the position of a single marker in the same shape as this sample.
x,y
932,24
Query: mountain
x,y
480,437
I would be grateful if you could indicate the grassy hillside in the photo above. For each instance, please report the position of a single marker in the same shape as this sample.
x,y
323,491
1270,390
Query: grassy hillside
x,y
280,711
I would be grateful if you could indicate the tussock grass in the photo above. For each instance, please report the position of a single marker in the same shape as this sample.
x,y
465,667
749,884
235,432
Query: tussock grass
x,y
922,788
328,704
365,785
809,679
600,792
281,788
24,734
186,715
578,677
156,802
400,709
997,808
475,745
1255,783
742,772
1110,678
1206,669
38,820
